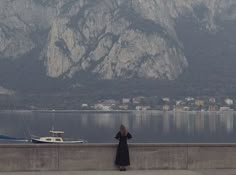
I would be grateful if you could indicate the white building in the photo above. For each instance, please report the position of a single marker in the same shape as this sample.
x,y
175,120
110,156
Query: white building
x,y
225,109
212,100
166,99
142,108
229,101
4,91
125,100
109,102
103,107
124,107
84,106
186,108
179,102
189,99
137,100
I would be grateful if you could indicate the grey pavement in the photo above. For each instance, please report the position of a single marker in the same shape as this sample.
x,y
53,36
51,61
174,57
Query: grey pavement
x,y
154,172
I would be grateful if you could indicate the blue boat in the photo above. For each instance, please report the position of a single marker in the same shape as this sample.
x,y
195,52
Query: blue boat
x,y
5,138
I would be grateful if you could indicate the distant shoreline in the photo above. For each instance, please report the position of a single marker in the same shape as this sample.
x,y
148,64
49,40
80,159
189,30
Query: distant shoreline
x,y
107,111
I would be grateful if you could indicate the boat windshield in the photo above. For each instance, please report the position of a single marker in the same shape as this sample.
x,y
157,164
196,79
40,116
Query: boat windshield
x,y
56,133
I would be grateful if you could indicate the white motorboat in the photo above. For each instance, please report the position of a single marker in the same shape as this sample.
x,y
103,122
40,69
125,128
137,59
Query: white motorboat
x,y
55,137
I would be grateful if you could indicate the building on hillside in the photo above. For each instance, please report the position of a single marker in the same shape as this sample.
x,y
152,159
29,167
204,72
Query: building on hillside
x,y
166,108
178,108
142,108
186,108
109,102
166,99
178,102
189,99
229,101
84,106
212,100
199,103
123,107
104,106
137,100
126,100
225,109
213,108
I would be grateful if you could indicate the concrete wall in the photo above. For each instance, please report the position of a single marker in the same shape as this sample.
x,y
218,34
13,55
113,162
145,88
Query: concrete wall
x,y
102,156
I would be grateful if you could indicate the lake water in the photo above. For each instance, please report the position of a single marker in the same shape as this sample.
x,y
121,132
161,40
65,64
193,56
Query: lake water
x,y
145,126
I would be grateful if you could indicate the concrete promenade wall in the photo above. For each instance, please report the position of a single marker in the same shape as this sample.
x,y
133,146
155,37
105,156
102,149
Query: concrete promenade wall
x,y
101,157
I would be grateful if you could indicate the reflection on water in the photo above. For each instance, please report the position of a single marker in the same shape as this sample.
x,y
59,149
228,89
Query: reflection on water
x,y
146,126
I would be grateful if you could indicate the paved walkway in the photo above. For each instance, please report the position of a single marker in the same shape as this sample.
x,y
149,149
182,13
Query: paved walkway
x,y
157,172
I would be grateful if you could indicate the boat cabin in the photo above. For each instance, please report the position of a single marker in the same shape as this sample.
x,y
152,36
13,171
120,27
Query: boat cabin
x,y
56,133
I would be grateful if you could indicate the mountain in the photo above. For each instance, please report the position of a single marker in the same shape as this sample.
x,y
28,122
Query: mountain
x,y
48,41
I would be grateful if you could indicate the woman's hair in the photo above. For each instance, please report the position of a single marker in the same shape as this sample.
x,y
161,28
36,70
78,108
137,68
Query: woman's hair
x,y
123,130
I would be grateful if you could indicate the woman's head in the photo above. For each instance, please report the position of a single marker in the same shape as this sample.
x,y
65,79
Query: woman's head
x,y
123,130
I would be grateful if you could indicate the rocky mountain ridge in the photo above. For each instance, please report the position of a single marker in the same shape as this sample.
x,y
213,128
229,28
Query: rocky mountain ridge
x,y
109,39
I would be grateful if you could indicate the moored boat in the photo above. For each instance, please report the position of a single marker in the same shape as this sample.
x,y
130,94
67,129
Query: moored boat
x,y
55,137
9,139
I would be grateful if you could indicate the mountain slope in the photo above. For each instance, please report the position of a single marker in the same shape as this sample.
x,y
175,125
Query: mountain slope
x,y
106,39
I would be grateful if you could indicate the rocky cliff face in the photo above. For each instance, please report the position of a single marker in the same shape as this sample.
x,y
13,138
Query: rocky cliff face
x,y
112,39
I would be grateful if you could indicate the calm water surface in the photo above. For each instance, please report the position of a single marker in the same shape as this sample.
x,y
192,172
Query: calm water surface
x,y
146,127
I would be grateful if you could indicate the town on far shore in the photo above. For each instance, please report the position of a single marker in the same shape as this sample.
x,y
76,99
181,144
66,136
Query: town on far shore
x,y
139,103
164,104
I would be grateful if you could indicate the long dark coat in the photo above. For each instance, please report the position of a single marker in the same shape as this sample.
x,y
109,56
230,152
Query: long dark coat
x,y
122,154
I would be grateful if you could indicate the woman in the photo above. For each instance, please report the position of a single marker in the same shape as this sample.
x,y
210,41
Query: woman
x,y
122,154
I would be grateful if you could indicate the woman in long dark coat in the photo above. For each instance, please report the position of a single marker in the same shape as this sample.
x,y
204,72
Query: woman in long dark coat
x,y
122,154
